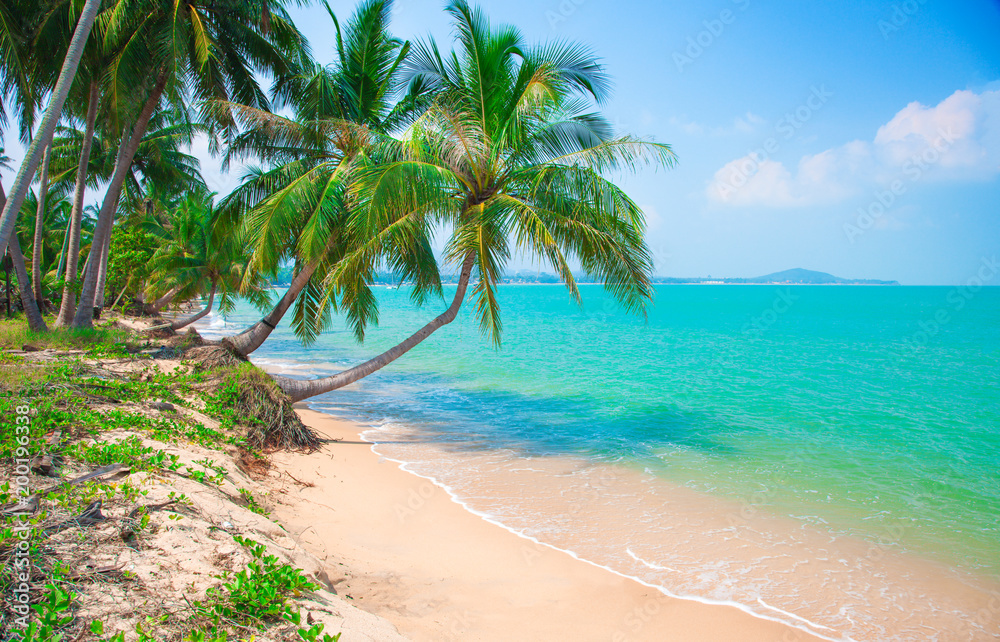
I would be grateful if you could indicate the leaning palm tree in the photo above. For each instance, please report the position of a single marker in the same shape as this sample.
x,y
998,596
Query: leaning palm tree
x,y
35,321
200,256
512,159
47,126
159,162
293,211
175,48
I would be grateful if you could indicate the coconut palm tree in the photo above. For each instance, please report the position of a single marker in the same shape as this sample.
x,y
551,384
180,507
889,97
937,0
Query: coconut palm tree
x,y
172,47
292,211
83,106
54,214
35,321
47,126
159,163
512,158
201,256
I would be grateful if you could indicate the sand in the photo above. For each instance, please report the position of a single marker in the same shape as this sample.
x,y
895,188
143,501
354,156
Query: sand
x,y
398,546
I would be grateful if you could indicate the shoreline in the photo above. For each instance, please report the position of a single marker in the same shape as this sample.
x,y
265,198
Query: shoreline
x,y
405,549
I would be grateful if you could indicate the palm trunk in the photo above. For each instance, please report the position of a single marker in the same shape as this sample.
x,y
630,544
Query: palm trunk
x,y
62,250
254,336
299,389
36,249
53,113
158,304
35,321
102,274
84,314
31,311
68,306
180,323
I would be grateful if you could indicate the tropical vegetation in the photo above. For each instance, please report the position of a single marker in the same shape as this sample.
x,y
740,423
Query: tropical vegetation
x,y
353,165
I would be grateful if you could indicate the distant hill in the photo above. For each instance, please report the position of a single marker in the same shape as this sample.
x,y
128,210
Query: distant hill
x,y
798,276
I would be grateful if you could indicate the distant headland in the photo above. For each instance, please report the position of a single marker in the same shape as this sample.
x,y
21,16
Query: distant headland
x,y
797,276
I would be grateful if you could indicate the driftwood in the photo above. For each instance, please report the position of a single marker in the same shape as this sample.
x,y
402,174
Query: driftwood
x,y
30,505
91,515
46,463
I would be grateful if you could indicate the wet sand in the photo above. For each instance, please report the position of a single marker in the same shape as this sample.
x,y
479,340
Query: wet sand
x,y
399,546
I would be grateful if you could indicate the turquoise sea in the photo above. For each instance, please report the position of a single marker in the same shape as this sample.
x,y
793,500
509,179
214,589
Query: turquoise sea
x,y
867,414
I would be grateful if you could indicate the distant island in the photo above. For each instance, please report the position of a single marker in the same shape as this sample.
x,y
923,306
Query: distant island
x,y
798,276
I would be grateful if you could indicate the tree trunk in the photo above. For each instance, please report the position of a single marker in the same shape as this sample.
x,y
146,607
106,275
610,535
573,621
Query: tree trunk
x,y
299,389
31,311
180,323
36,249
62,249
43,137
102,274
159,304
68,306
35,321
84,314
254,336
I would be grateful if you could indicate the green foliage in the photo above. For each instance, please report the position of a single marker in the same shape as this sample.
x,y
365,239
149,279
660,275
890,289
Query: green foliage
x,y
128,260
259,593
252,504
128,452
14,334
52,615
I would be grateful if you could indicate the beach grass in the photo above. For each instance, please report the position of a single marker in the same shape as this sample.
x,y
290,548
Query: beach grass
x,y
99,410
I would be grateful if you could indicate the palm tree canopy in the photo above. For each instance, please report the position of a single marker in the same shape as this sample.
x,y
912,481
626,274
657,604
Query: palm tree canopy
x,y
296,209
513,157
198,254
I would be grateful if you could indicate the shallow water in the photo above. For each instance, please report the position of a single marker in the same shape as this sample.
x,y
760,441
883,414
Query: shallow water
x,y
824,453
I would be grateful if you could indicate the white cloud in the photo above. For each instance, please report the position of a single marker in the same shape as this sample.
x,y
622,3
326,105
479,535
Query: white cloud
x,y
958,139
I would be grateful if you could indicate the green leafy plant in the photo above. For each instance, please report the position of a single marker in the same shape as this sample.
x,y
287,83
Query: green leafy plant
x,y
252,503
257,593
51,616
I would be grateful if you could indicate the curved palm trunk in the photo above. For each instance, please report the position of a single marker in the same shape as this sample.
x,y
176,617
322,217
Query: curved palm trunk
x,y
160,303
31,311
180,323
84,317
102,274
43,137
299,389
35,321
67,307
62,249
254,336
36,248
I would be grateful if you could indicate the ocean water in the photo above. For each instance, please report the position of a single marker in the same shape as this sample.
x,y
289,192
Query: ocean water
x,y
827,456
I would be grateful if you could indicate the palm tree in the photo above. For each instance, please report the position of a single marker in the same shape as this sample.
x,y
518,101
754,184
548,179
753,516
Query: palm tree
x,y
509,156
173,47
159,163
83,106
35,321
46,128
54,214
200,255
292,211
36,246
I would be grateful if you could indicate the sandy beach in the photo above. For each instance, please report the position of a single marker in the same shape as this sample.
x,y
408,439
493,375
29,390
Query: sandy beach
x,y
400,547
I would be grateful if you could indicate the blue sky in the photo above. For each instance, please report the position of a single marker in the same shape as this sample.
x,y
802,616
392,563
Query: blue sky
x,y
857,138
